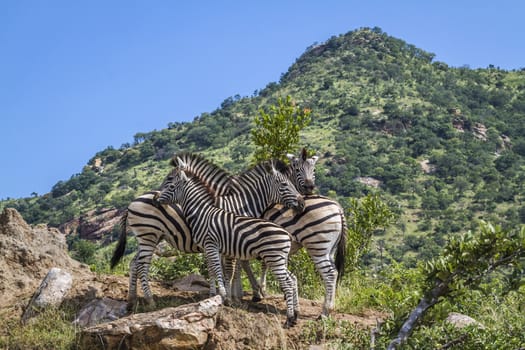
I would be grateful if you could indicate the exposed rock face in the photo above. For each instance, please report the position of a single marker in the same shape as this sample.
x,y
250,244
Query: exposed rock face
x,y
27,254
238,329
99,311
94,225
183,327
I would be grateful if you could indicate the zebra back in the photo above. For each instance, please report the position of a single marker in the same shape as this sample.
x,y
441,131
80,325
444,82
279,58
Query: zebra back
x,y
216,178
151,222
248,193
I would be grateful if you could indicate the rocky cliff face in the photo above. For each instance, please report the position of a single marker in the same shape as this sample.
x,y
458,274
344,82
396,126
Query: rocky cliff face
x,y
26,255
94,225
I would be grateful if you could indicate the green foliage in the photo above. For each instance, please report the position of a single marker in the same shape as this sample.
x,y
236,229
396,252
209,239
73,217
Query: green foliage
x,y
365,217
335,334
276,132
83,250
468,259
180,265
52,329
466,262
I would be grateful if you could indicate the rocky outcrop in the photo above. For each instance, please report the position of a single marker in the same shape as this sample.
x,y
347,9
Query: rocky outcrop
x,y
94,225
27,254
183,327
462,321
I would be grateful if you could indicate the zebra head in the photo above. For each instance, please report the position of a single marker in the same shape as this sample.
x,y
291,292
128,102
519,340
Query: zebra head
x,y
171,190
302,171
286,193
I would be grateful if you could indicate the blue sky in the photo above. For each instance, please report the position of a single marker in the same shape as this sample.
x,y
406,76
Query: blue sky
x,y
79,76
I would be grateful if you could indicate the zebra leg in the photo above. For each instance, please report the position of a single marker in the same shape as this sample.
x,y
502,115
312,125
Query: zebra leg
x,y
288,285
258,293
325,266
143,264
229,268
295,294
236,282
262,279
213,259
132,287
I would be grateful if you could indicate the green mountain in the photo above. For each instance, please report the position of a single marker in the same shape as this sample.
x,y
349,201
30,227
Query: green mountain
x,y
444,146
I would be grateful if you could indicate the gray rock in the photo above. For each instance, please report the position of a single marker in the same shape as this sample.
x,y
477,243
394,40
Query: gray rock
x,y
461,321
51,292
183,327
100,310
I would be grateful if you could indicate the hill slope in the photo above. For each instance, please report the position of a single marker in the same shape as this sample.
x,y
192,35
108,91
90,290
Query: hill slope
x,y
446,145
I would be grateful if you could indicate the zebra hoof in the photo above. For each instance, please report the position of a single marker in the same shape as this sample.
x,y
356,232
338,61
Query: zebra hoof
x,y
323,317
290,322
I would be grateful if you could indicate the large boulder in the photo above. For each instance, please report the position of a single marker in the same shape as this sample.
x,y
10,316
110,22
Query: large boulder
x,y
183,327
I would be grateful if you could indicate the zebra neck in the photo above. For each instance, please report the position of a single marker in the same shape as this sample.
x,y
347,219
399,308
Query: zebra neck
x,y
245,205
196,200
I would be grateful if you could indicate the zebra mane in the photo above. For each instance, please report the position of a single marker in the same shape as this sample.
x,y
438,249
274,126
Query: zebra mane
x,y
259,169
218,180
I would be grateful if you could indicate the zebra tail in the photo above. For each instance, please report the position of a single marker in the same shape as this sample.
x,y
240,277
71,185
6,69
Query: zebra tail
x,y
340,255
121,245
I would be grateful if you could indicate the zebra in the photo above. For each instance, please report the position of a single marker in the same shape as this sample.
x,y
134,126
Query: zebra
x,y
219,232
239,195
321,228
152,223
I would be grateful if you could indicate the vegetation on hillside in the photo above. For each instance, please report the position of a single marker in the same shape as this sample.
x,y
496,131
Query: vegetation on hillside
x,y
444,145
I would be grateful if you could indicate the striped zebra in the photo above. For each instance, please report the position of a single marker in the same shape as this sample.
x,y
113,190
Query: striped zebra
x,y
151,223
222,233
320,228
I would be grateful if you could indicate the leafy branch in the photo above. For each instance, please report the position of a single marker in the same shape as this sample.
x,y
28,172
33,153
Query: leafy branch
x,y
465,262
276,132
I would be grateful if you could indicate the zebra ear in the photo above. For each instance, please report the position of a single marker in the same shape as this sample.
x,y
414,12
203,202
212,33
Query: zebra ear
x,y
183,176
314,159
290,156
279,165
269,166
304,153
182,165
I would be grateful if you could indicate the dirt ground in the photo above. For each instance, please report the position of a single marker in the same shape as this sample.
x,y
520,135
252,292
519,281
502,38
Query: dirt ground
x,y
245,325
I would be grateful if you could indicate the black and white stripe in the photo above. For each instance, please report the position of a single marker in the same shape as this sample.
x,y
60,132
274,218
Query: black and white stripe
x,y
320,228
222,233
150,223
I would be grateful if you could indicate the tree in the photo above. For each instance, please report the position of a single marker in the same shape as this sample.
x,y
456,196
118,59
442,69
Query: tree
x,y
365,216
466,261
276,132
